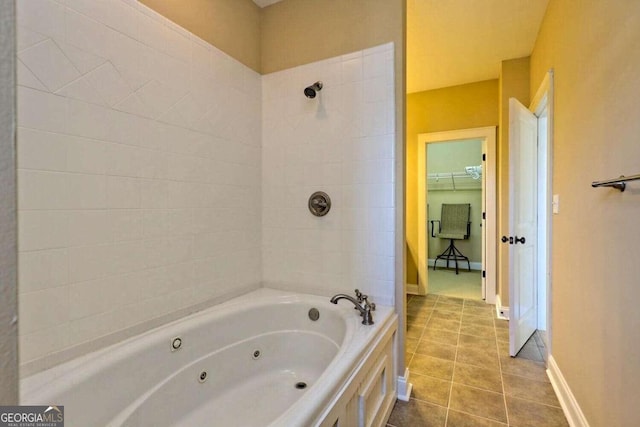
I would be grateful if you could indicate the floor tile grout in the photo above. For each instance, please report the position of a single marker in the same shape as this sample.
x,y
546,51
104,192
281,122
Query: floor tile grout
x,y
452,310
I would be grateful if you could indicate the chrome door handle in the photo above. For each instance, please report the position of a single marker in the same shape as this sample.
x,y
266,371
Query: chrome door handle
x,y
520,240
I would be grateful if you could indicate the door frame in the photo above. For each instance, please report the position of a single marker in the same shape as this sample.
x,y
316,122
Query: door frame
x,y
543,102
488,136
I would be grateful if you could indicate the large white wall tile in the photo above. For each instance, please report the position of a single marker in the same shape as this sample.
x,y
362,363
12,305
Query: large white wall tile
x,y
341,142
42,229
47,62
42,150
26,78
46,17
121,170
43,269
41,110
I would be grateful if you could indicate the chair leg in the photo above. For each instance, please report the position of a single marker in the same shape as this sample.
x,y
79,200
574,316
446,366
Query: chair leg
x,y
452,254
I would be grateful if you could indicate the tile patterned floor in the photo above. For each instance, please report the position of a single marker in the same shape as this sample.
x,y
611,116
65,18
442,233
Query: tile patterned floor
x,y
462,374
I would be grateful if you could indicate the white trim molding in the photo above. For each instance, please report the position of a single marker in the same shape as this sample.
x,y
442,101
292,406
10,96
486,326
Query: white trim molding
x,y
488,137
404,387
502,312
569,404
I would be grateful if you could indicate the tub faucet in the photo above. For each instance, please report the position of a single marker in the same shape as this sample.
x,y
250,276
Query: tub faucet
x,y
364,307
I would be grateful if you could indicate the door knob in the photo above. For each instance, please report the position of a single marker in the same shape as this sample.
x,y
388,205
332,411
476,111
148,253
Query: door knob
x,y
520,240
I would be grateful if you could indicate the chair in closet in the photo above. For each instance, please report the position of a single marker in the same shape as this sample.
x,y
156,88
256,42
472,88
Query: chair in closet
x,y
454,224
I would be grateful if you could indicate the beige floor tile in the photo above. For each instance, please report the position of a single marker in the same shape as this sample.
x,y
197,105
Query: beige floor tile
x,y
432,366
436,349
524,368
477,311
478,331
441,336
419,309
477,320
460,419
502,334
411,344
414,331
525,388
501,324
480,357
458,354
523,413
503,348
407,357
417,413
445,324
429,389
439,313
474,376
485,343
478,303
478,402
531,351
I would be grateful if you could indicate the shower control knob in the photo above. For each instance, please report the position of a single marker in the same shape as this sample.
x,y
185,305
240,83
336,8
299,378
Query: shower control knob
x,y
319,203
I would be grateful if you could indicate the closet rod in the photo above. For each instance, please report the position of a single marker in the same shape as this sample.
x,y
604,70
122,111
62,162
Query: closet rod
x,y
618,183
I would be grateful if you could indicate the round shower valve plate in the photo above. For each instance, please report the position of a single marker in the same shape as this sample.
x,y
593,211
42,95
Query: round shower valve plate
x,y
319,203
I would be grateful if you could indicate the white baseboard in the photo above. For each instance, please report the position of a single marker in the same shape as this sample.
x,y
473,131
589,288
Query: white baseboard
x,y
412,289
404,387
502,312
474,265
569,404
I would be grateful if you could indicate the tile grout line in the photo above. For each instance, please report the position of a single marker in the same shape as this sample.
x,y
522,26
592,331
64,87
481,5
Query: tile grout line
x,y
455,358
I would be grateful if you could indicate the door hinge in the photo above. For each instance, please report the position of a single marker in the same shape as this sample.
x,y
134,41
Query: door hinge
x,y
484,215
484,157
484,274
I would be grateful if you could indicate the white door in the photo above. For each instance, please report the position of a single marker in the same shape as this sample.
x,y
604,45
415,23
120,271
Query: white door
x,y
523,150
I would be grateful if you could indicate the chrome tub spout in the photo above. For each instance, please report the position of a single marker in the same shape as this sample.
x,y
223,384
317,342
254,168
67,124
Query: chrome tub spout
x,y
365,307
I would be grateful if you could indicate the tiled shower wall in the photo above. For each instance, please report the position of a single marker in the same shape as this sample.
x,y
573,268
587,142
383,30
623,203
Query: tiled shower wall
x,y
139,171
342,142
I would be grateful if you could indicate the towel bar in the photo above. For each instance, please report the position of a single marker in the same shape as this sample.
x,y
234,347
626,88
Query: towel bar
x,y
618,183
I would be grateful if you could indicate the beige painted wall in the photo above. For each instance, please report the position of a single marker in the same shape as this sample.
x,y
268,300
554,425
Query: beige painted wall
x,y
514,83
296,32
594,50
457,107
232,26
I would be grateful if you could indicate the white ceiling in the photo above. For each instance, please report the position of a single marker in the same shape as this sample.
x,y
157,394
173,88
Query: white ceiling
x,y
265,3
453,42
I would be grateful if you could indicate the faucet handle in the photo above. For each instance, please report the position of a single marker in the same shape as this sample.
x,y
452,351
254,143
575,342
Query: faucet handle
x,y
370,305
373,306
359,295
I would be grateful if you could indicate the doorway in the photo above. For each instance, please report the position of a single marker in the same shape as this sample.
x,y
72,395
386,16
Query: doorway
x,y
530,263
454,184
485,212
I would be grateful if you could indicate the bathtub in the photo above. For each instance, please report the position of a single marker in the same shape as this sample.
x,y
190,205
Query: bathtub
x,y
256,360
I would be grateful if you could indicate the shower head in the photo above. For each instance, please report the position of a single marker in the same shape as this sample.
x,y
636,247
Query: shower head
x,y
310,91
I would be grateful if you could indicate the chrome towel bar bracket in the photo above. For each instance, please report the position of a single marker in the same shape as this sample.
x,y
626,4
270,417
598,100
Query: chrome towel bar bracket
x,y
617,183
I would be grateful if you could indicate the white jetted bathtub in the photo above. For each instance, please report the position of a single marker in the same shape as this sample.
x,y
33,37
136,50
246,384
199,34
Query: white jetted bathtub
x,y
256,360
